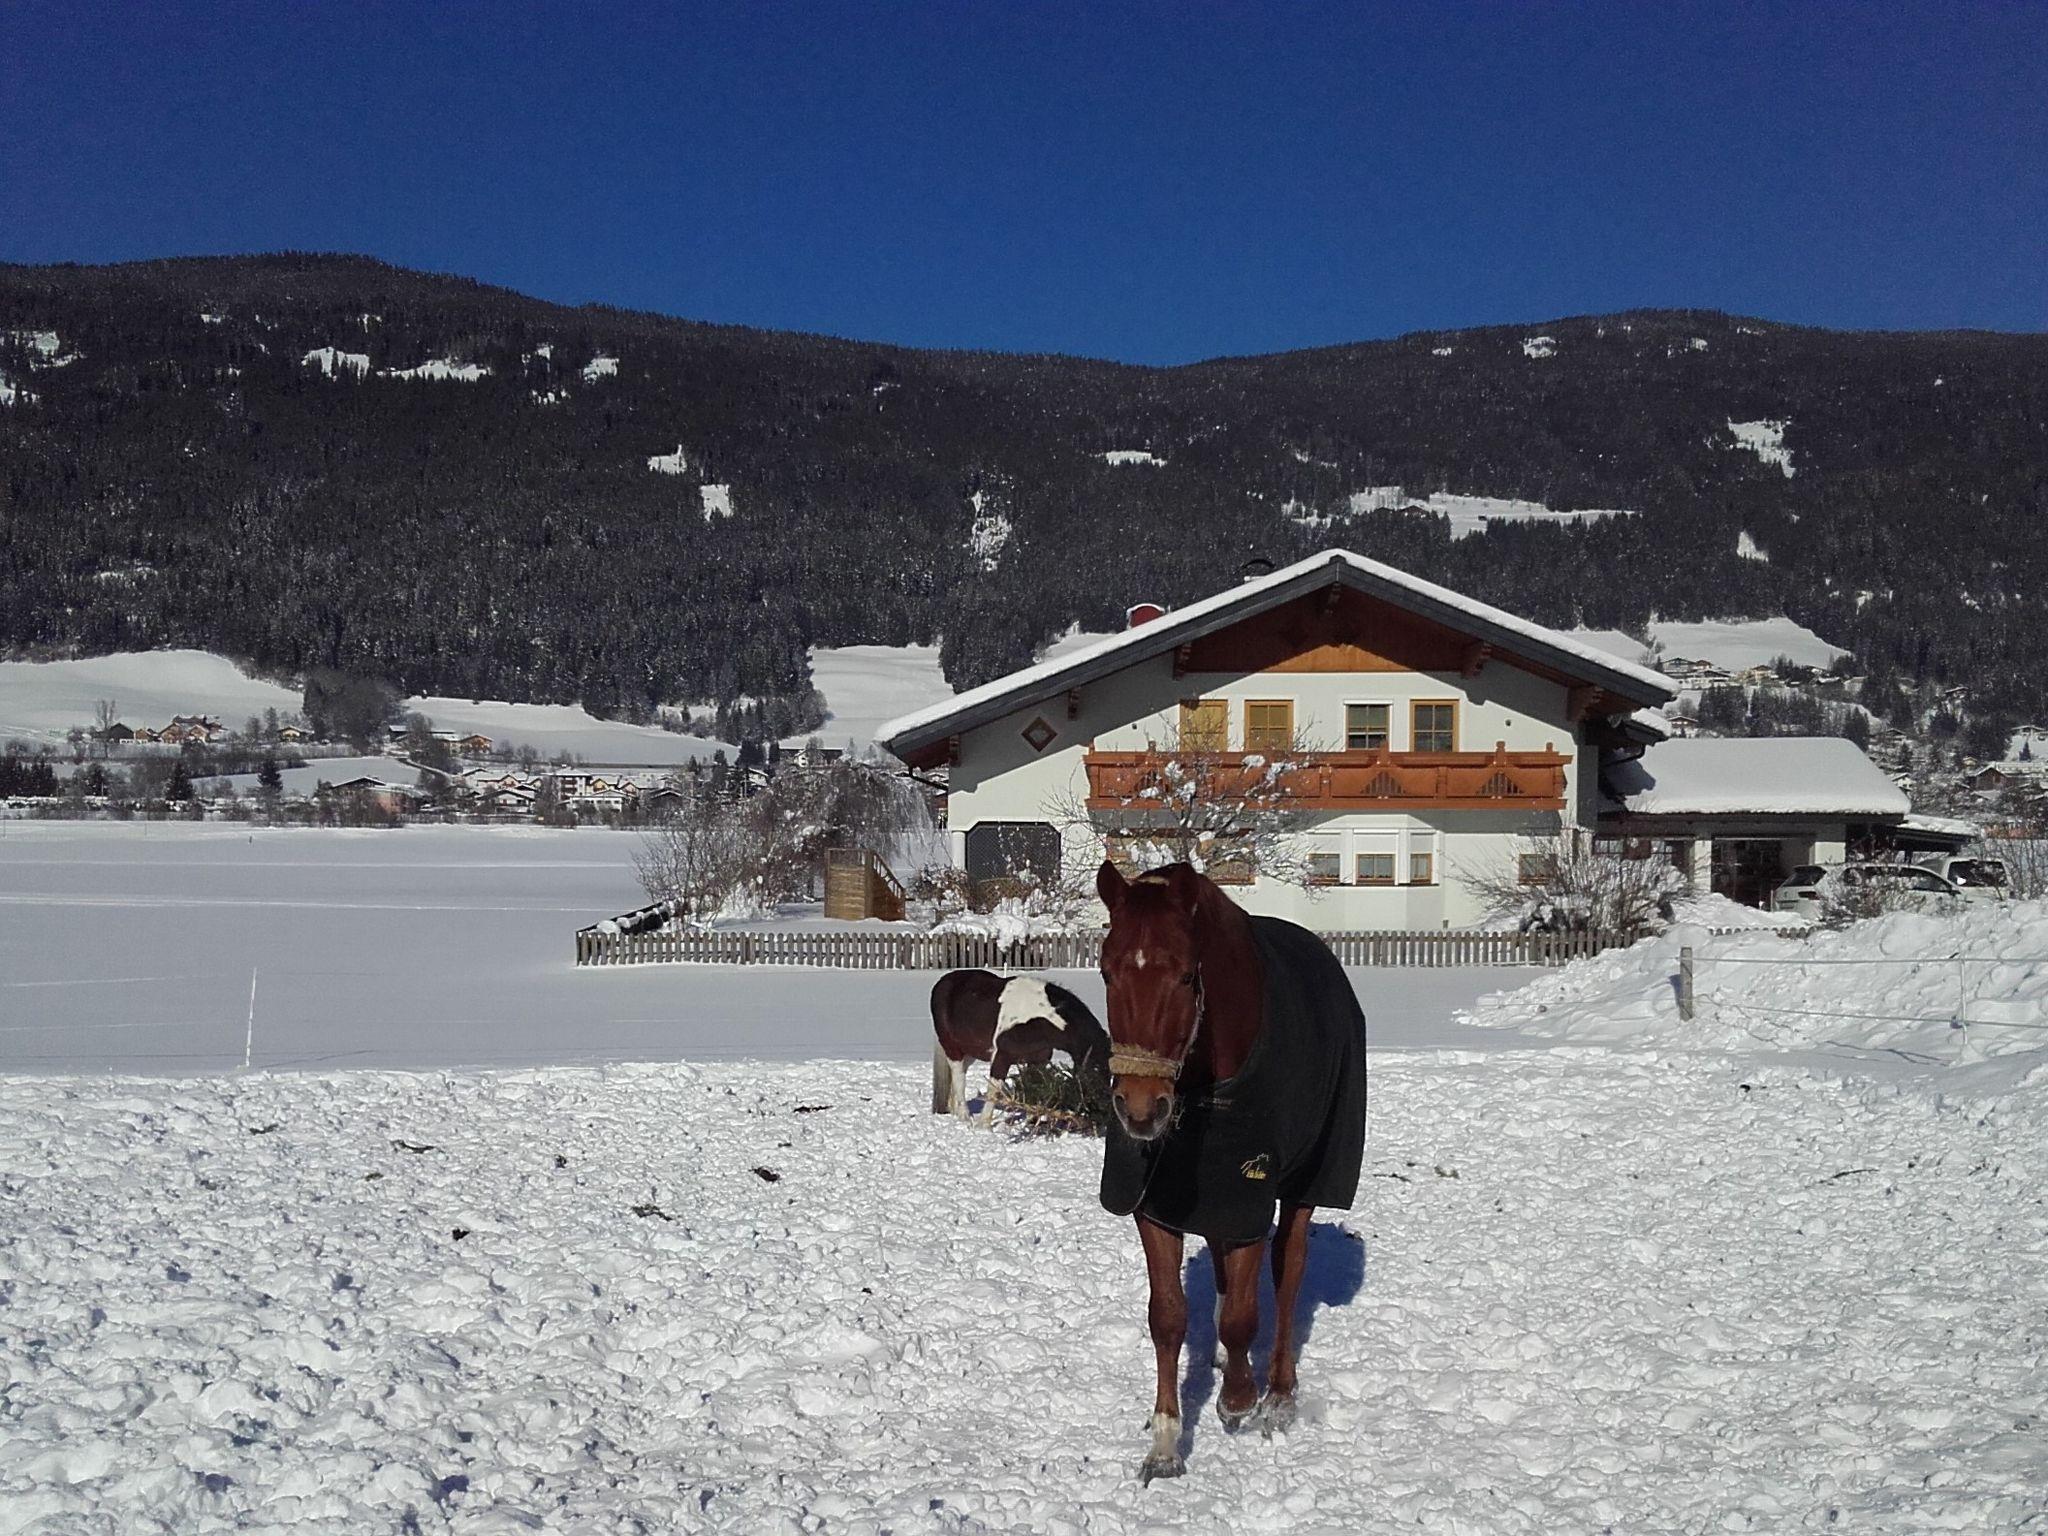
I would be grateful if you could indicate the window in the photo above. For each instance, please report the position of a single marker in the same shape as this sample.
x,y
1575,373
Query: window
x,y
1422,866
1204,725
1433,726
1268,725
1375,869
1325,868
1365,727
1533,868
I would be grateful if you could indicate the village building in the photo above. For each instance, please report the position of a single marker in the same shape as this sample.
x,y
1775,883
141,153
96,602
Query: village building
x,y
1418,739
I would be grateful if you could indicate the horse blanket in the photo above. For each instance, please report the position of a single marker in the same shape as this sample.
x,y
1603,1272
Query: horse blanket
x,y
1288,1126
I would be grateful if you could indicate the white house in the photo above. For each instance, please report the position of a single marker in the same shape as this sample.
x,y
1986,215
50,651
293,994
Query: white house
x,y
1426,735
1441,731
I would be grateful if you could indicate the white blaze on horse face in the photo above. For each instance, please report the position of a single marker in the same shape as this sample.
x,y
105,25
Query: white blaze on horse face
x,y
1138,959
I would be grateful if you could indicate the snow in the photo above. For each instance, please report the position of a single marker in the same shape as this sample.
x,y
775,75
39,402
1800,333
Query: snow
x,y
1607,1270
319,770
1473,514
1539,346
12,393
669,463
988,538
1765,439
1130,456
440,368
600,368
1441,351
1739,643
46,344
41,700
557,728
332,360
1047,672
864,685
1746,547
717,500
1781,775
209,318
1075,640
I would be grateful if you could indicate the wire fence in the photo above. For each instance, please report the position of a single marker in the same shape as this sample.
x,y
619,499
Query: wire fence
x,y
1957,1018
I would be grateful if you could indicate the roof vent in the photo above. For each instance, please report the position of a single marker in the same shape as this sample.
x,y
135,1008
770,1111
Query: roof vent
x,y
1142,613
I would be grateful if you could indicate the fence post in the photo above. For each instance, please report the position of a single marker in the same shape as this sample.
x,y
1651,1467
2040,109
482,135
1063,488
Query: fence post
x,y
1685,982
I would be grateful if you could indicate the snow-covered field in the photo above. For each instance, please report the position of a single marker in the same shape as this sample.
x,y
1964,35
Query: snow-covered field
x,y
1730,643
1782,1267
135,946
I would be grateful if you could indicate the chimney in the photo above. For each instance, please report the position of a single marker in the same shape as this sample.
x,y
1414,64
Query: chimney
x,y
1141,613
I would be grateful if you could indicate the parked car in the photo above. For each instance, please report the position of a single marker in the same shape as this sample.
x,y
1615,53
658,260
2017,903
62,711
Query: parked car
x,y
1978,878
1801,891
1909,887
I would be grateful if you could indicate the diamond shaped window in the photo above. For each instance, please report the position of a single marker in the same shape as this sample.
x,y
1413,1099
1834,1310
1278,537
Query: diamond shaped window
x,y
1039,734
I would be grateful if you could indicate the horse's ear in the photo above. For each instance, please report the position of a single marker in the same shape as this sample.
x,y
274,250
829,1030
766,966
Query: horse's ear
x,y
1110,885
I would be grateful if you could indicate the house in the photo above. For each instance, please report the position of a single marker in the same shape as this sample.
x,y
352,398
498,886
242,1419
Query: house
x,y
1423,733
293,733
393,798
1737,815
1759,676
1410,740
146,733
115,733
474,745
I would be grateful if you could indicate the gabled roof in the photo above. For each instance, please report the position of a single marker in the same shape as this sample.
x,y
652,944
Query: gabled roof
x,y
1754,776
1574,658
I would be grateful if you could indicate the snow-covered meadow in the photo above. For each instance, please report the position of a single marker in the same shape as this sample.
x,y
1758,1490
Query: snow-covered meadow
x,y
1781,1268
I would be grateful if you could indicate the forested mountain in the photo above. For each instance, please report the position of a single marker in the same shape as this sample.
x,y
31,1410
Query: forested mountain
x,y
229,453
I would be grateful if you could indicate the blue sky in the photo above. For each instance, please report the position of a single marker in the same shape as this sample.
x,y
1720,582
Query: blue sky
x,y
1152,183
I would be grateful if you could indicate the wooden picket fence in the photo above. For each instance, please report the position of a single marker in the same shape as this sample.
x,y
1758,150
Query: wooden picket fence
x,y
854,951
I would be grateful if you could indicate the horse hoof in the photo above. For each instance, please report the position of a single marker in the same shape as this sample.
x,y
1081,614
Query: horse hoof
x,y
1235,1419
1155,1465
1275,1415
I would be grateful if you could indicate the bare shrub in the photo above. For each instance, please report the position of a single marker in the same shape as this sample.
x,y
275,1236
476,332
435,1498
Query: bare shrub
x,y
1562,882
1224,812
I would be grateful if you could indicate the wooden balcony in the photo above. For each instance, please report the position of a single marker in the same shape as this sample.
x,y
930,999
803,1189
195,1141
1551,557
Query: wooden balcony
x,y
1338,781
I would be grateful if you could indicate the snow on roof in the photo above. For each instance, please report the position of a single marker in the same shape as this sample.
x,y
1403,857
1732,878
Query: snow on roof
x,y
1761,776
1251,596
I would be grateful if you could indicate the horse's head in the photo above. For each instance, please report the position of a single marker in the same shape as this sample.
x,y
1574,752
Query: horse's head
x,y
1151,968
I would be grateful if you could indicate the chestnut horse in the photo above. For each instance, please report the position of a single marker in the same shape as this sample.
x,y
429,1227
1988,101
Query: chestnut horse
x,y
1237,1064
1004,1021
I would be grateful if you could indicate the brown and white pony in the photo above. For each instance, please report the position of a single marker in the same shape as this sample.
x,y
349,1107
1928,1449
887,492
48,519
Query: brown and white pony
x,y
1189,988
1005,1021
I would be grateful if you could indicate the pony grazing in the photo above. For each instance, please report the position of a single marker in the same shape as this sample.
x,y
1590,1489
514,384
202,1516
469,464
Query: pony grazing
x,y
1004,1021
1237,1067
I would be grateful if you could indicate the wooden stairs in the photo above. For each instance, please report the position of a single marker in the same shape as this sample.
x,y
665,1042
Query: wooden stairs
x,y
858,884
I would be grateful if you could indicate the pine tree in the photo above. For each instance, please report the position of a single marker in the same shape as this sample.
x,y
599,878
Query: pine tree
x,y
268,779
180,786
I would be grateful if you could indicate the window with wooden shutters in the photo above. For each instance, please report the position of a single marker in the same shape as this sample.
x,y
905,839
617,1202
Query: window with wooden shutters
x,y
1433,726
1268,725
1366,727
1204,725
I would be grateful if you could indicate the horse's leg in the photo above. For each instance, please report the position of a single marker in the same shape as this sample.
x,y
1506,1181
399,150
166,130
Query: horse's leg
x,y
1290,1258
1168,1315
956,1090
942,1081
1237,1324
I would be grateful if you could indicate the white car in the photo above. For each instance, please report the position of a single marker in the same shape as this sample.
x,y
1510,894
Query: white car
x,y
1907,887
1976,877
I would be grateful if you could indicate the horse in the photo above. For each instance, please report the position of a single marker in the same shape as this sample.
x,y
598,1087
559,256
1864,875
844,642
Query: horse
x,y
1005,1020
1238,1081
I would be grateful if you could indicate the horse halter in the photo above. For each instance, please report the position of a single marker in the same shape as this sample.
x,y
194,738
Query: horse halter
x,y
1136,1061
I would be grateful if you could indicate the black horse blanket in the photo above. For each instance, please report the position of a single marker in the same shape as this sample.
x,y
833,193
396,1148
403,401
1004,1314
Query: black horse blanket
x,y
1289,1126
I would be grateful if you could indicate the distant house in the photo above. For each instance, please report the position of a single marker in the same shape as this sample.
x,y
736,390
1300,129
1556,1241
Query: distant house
x,y
117,732
393,798
146,733
293,733
474,745
1759,677
1682,725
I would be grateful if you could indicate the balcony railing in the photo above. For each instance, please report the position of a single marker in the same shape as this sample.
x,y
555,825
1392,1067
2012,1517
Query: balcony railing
x,y
1334,781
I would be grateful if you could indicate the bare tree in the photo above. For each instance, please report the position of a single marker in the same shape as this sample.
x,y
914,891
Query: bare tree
x,y
1563,881
106,714
695,857
1189,800
2019,838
